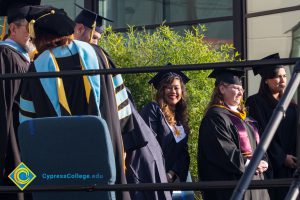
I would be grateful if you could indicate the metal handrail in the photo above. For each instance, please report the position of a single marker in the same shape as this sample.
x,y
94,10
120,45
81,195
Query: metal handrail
x,y
195,186
147,69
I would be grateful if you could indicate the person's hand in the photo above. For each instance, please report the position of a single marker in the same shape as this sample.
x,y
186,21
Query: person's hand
x,y
262,167
171,176
290,161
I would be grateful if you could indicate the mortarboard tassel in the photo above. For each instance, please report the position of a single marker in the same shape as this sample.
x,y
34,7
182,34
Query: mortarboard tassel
x,y
31,28
93,30
3,28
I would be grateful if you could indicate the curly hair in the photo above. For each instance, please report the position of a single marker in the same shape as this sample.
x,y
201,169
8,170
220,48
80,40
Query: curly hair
x,y
180,114
218,99
44,40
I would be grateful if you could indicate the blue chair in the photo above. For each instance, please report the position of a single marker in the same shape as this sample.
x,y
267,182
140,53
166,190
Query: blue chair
x,y
75,150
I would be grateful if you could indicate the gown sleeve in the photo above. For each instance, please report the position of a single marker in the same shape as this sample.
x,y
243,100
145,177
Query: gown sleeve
x,y
27,110
150,115
257,110
10,62
6,90
177,161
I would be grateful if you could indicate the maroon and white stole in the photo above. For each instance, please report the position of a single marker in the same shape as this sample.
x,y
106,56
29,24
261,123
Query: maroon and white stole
x,y
238,119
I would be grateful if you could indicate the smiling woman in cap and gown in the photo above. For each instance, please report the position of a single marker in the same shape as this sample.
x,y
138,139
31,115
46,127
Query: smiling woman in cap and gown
x,y
227,137
14,58
168,119
103,95
282,149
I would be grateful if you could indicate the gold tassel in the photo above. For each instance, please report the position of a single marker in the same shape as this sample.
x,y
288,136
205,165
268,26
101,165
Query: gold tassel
x,y
32,54
31,28
32,22
93,31
3,28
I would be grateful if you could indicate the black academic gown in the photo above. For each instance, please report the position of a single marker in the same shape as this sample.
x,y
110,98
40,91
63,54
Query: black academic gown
x,y
219,154
284,141
126,134
11,61
144,157
176,154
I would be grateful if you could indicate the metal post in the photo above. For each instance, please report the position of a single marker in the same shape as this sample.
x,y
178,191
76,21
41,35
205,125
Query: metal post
x,y
268,134
295,187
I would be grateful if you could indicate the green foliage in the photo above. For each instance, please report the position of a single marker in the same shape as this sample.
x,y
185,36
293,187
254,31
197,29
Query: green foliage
x,y
157,48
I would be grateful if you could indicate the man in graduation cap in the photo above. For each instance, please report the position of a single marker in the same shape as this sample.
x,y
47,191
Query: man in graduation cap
x,y
14,58
89,26
227,137
103,95
282,149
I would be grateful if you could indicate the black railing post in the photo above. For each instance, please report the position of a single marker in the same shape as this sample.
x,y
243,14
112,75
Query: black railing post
x,y
295,187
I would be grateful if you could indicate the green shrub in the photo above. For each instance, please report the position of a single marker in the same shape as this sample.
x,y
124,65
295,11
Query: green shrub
x,y
157,48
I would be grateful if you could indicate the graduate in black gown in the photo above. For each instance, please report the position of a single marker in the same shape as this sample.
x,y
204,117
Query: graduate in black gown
x,y
282,150
168,119
14,58
103,95
227,137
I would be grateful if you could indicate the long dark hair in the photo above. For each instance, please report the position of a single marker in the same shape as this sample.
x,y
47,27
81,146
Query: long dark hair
x,y
180,115
265,91
264,88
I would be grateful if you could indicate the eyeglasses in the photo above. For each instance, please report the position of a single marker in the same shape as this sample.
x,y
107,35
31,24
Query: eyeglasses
x,y
235,87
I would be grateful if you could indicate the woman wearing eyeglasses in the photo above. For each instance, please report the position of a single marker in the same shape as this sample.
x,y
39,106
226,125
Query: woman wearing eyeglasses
x,y
227,137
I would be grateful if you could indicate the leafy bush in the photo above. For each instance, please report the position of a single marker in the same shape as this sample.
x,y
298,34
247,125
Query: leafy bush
x,y
157,48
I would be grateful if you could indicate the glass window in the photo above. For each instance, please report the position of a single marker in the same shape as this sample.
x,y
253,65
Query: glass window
x,y
183,10
144,12
220,31
213,33
132,12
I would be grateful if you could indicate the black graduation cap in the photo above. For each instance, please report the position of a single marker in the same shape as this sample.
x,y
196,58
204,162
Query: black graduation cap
x,y
267,71
16,9
88,18
48,19
228,75
162,75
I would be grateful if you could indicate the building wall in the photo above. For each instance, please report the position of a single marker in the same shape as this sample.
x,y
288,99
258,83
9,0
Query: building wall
x,y
269,34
